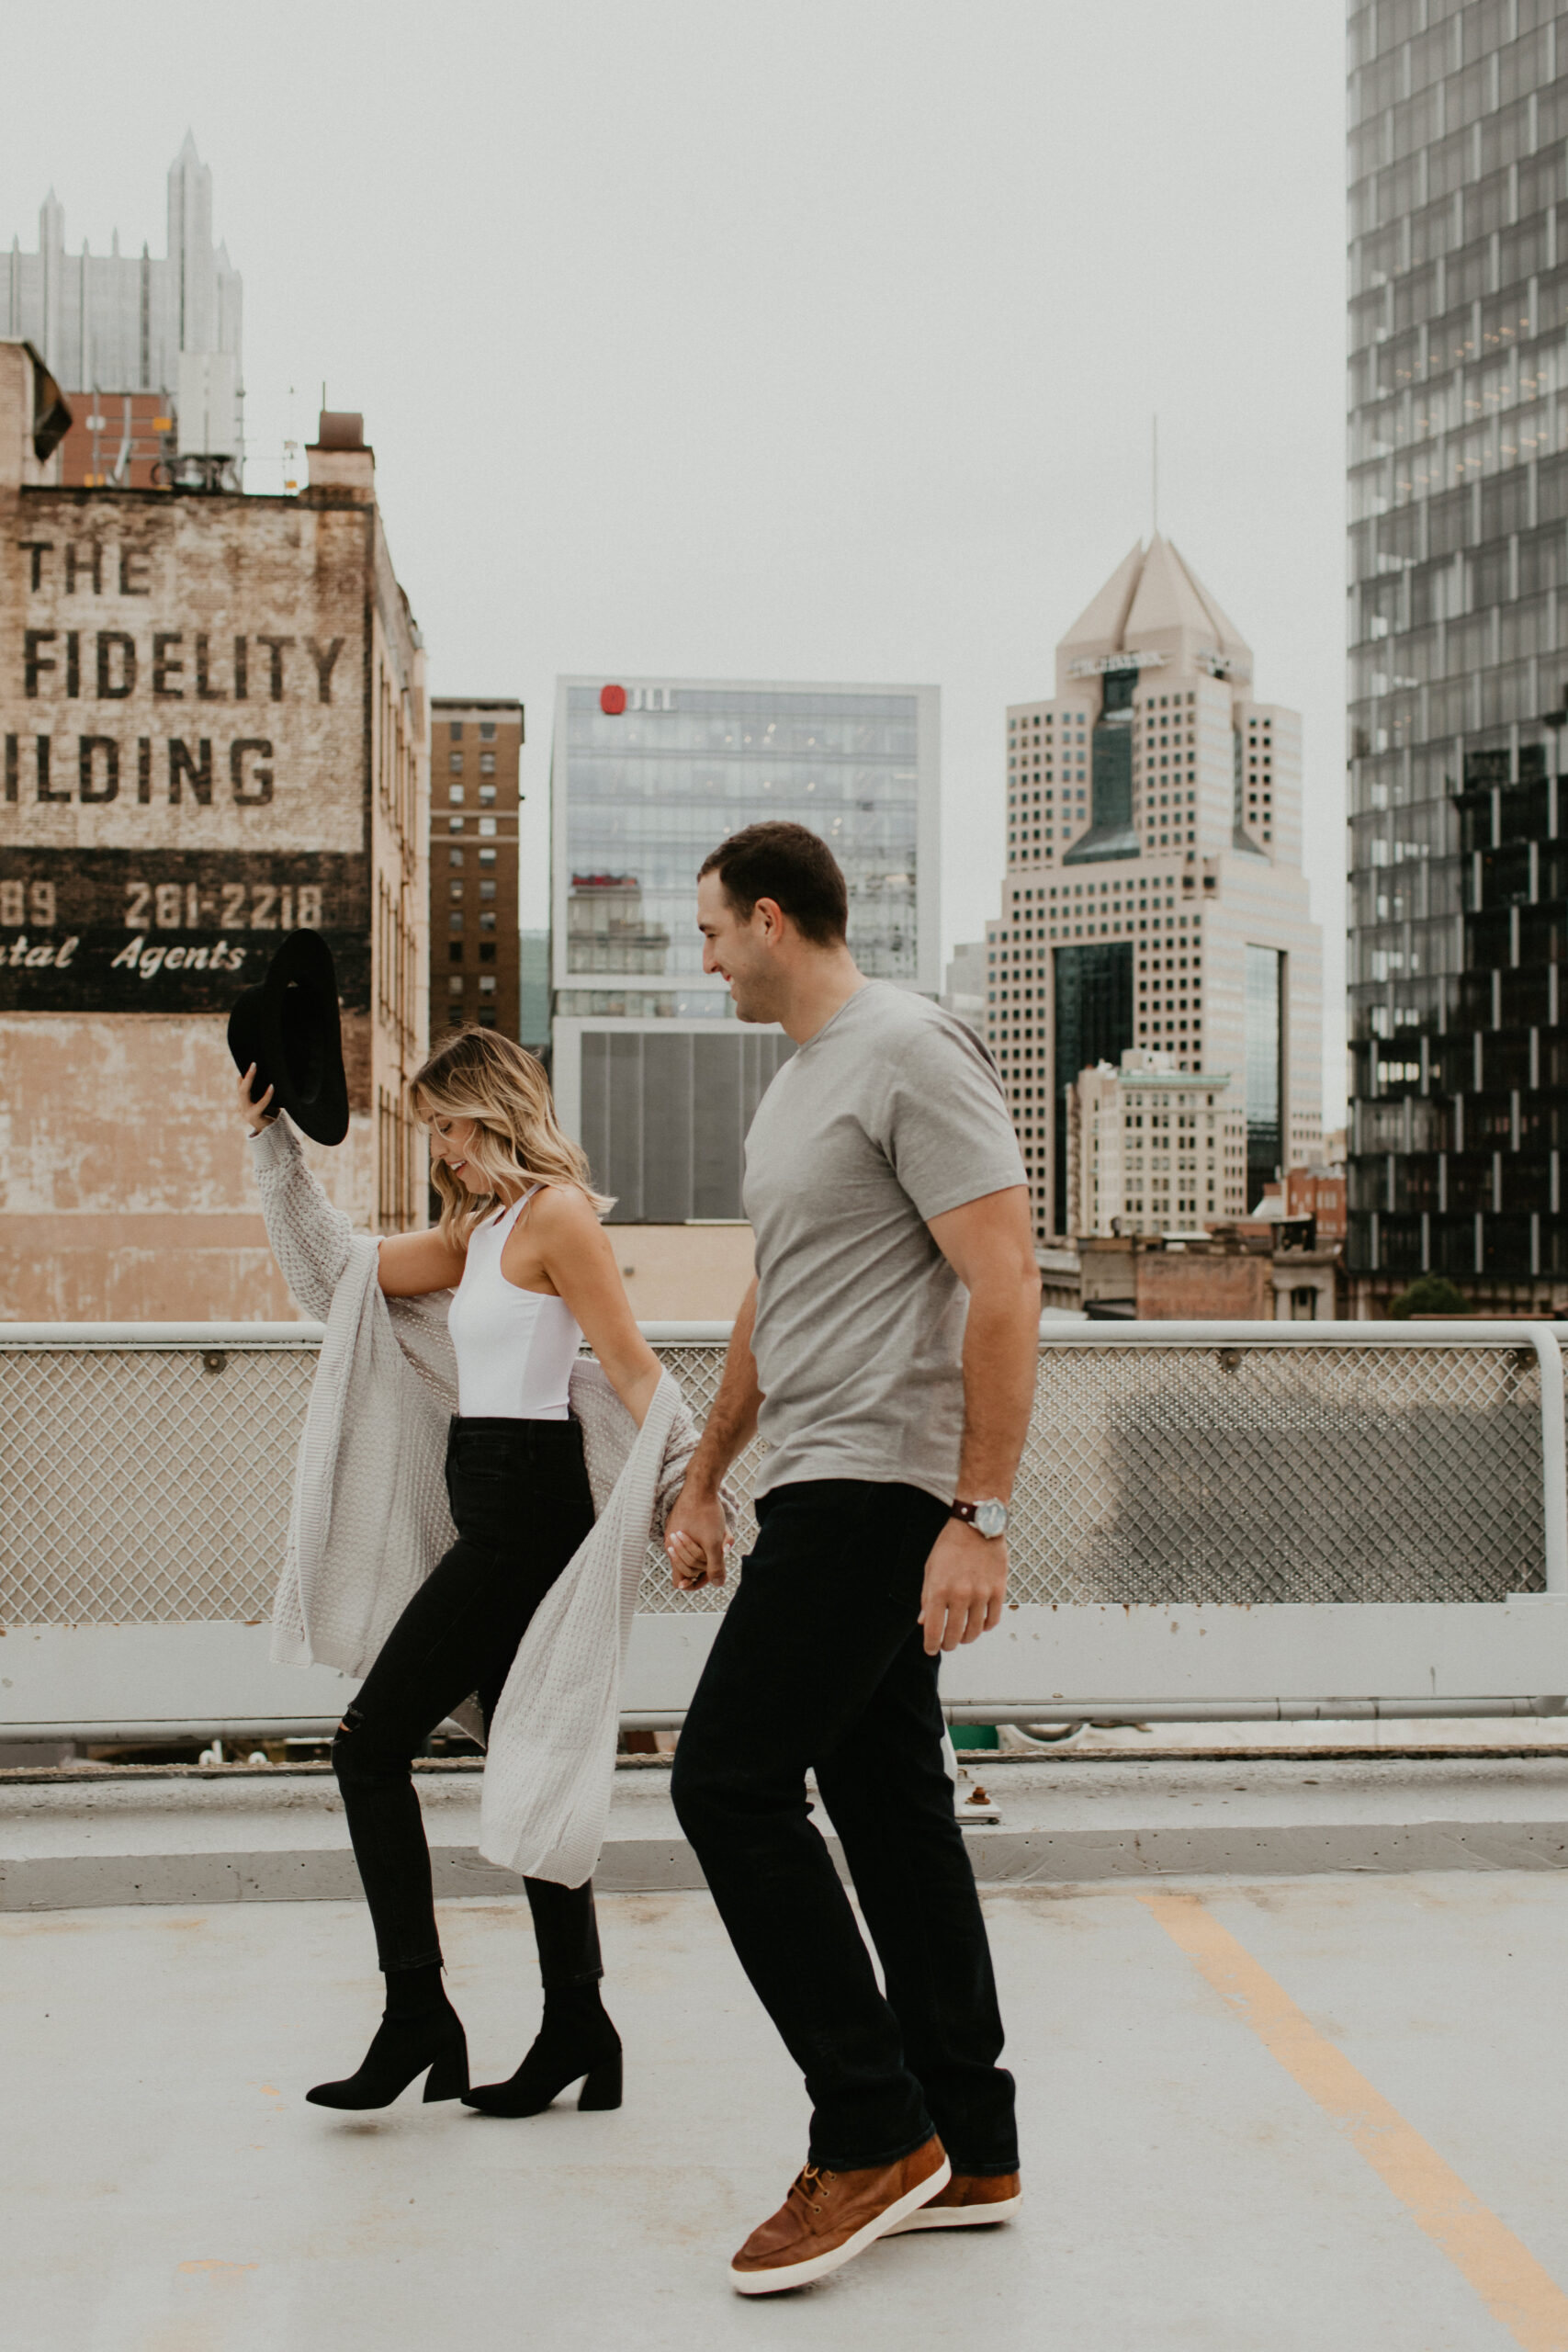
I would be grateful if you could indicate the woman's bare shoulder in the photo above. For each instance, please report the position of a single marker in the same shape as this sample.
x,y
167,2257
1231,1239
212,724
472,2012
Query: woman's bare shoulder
x,y
560,1211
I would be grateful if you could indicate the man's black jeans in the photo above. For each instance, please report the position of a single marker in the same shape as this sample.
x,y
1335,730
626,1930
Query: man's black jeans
x,y
819,1662
521,1500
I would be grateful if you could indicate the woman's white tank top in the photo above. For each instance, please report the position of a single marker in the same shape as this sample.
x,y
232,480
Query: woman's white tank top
x,y
515,1348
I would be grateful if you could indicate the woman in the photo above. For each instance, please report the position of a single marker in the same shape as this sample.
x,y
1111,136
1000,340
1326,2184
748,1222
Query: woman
x,y
533,1273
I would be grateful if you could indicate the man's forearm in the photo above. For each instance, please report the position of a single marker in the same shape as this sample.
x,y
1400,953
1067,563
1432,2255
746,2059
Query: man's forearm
x,y
732,1423
1001,1349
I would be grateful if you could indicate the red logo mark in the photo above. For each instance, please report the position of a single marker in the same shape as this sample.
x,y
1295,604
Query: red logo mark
x,y
611,700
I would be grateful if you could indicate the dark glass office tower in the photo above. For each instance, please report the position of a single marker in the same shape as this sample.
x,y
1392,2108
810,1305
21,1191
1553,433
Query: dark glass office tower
x,y
1096,1022
1459,646
1263,1041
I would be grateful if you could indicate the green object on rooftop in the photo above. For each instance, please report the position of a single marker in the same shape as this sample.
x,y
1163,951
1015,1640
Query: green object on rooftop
x,y
973,1735
1429,1295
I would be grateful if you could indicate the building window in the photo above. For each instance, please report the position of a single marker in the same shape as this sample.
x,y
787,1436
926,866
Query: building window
x,y
455,952
455,762
486,825
487,922
454,729
487,983
487,857
455,984
487,762
487,794
454,857
455,922
487,889
454,794
487,950
487,731
455,890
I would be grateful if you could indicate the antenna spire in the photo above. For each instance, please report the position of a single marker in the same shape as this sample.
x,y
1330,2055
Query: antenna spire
x,y
1154,474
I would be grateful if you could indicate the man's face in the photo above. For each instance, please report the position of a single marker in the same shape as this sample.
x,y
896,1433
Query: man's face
x,y
739,947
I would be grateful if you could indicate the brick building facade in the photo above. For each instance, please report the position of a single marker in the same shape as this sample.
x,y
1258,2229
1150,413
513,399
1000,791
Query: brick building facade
x,y
476,760
212,728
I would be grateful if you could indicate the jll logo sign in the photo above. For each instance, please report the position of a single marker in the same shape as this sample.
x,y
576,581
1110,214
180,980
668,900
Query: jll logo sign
x,y
613,700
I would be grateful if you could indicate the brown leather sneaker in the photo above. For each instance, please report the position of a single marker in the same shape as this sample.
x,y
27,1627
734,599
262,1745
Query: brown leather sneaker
x,y
971,2201
830,2217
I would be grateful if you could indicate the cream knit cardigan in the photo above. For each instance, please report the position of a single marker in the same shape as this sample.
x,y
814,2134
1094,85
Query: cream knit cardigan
x,y
370,1520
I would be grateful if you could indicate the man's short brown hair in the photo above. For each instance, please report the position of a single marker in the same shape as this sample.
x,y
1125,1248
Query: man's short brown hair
x,y
791,865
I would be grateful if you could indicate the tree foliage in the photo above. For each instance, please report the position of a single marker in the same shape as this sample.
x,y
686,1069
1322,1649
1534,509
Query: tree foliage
x,y
1430,1295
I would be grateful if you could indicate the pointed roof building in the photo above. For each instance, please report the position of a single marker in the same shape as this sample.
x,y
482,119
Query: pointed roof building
x,y
120,322
1153,603
1154,906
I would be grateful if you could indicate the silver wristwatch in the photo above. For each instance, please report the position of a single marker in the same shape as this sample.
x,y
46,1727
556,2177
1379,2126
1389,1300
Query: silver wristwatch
x,y
989,1517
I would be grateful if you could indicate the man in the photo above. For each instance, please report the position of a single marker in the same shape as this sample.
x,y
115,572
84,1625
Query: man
x,y
887,1350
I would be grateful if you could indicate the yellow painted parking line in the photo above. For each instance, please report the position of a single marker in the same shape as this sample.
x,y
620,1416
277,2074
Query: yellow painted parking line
x,y
1505,2274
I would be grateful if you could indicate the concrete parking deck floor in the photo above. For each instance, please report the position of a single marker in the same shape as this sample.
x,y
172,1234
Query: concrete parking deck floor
x,y
1197,2162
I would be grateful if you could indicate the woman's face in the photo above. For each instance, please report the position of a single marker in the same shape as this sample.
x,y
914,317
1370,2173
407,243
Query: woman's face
x,y
449,1141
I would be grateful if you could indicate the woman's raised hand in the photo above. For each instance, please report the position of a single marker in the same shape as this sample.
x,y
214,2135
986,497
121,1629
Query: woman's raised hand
x,y
256,1115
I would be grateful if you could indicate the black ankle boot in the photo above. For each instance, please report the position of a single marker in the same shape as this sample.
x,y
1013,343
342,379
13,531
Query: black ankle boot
x,y
420,2029
575,2040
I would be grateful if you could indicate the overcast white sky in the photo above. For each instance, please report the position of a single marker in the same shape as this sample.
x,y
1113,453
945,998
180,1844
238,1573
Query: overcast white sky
x,y
776,338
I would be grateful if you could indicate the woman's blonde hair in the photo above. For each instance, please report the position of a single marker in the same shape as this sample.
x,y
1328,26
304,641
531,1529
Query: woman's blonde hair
x,y
502,1088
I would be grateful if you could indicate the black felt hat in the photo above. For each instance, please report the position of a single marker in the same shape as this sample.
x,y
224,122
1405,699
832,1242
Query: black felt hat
x,y
288,1024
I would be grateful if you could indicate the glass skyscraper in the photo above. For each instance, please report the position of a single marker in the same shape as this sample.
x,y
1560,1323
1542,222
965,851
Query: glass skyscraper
x,y
650,1070
1459,644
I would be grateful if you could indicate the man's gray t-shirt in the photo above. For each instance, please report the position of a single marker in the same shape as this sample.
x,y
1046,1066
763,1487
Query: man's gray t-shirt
x,y
890,1114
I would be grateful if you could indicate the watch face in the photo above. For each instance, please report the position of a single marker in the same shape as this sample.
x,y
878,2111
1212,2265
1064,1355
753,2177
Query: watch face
x,y
991,1518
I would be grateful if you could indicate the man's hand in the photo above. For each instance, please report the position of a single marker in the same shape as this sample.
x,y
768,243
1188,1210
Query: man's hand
x,y
696,1537
966,1585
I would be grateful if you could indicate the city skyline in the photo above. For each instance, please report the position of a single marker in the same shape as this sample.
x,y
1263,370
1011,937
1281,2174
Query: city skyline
x,y
915,486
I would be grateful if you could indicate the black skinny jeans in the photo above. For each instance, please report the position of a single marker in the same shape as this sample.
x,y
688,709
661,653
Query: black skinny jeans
x,y
818,1662
521,1500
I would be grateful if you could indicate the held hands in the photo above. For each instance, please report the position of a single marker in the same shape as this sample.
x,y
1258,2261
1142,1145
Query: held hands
x,y
966,1585
695,1539
256,1115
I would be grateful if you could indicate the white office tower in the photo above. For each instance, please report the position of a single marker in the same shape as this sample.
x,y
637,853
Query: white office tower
x,y
1146,1135
1153,895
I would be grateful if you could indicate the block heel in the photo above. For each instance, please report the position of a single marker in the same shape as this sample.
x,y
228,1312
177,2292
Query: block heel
x,y
601,2087
448,2078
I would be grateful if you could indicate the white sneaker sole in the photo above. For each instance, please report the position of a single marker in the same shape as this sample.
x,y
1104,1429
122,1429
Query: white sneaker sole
x,y
801,2274
959,2217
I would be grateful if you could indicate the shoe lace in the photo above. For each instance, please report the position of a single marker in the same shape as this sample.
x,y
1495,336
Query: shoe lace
x,y
812,2182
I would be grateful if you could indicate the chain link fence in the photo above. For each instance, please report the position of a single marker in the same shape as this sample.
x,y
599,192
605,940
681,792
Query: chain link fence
x,y
148,1481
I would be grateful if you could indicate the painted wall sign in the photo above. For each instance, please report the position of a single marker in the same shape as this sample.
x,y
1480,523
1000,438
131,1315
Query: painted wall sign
x,y
118,930
197,678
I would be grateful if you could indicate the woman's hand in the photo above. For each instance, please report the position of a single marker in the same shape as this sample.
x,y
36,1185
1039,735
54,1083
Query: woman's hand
x,y
256,1115
693,1563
